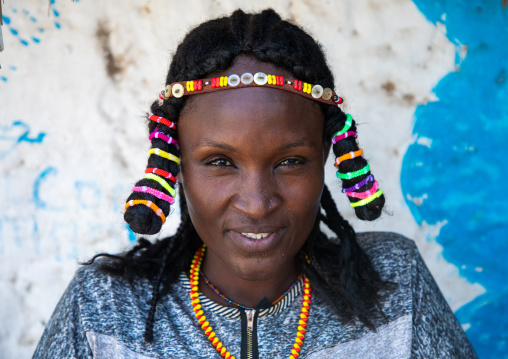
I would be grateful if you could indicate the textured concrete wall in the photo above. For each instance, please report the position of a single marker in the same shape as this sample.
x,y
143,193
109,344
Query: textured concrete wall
x,y
77,77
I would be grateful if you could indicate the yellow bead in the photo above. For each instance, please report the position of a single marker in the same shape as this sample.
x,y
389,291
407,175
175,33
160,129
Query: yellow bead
x,y
269,78
301,322
194,295
227,356
208,330
223,350
205,324
195,301
305,310
211,335
303,316
300,335
200,313
296,346
225,80
300,328
215,340
299,341
294,352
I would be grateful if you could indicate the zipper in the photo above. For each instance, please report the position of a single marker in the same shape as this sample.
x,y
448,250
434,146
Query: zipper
x,y
249,345
250,313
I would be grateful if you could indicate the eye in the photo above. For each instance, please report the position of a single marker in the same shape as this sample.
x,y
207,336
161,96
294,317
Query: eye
x,y
291,162
219,162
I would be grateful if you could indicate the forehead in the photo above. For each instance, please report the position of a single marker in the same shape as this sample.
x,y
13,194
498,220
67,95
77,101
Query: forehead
x,y
266,113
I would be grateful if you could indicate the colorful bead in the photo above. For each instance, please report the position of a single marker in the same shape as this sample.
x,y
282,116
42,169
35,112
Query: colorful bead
x,y
365,201
347,156
154,192
366,194
350,175
357,186
150,204
162,173
221,349
162,120
164,154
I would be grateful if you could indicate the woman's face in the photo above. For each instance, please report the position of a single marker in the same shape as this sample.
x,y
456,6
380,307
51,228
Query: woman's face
x,y
252,171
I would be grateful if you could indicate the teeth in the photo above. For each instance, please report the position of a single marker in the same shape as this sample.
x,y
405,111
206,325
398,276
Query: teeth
x,y
256,235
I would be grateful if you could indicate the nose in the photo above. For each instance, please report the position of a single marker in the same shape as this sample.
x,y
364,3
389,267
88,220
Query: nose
x,y
257,195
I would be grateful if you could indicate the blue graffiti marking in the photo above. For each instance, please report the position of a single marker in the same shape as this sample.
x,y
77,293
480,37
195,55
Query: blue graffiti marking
x,y
88,194
33,19
6,20
14,32
465,164
56,13
36,40
39,203
3,78
13,68
130,233
15,134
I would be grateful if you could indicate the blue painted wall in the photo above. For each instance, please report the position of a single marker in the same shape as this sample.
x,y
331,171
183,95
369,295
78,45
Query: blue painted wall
x,y
464,171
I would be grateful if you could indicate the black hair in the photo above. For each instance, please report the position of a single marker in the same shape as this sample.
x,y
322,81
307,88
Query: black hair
x,y
339,270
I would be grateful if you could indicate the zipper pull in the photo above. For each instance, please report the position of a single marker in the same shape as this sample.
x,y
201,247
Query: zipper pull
x,y
250,318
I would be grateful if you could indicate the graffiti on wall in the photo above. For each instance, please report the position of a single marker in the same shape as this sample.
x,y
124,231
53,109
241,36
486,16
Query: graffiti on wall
x,y
33,30
456,167
49,215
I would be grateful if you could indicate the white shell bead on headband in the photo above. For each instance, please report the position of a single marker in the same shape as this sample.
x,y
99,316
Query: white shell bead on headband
x,y
233,80
177,90
317,91
260,78
247,78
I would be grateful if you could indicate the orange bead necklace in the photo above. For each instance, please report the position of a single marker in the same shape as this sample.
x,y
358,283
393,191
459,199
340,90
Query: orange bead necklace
x,y
205,325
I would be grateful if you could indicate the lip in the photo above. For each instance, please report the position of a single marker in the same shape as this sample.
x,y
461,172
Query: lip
x,y
253,245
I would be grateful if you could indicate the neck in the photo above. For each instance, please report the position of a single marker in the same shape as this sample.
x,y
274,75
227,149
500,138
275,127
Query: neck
x,y
247,292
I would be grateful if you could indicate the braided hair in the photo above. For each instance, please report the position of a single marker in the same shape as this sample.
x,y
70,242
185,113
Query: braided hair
x,y
339,270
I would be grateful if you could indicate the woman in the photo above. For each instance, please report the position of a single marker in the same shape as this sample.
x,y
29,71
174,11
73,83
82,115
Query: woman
x,y
245,126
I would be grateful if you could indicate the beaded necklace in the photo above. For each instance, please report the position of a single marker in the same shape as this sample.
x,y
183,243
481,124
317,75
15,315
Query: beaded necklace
x,y
210,284
205,325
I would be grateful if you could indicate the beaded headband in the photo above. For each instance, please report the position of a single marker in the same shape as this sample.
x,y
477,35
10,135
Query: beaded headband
x,y
259,79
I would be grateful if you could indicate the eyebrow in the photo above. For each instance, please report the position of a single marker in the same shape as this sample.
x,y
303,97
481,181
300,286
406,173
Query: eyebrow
x,y
303,142
221,145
